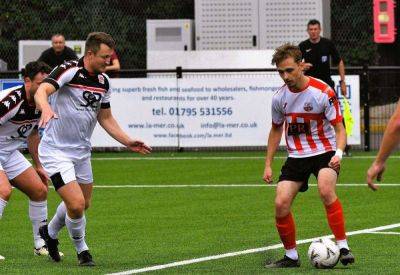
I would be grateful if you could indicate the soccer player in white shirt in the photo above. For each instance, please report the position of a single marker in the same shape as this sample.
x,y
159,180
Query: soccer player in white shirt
x,y
18,124
308,111
80,97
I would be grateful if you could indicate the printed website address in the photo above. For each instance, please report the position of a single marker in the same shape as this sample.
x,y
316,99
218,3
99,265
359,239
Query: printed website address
x,y
155,126
194,135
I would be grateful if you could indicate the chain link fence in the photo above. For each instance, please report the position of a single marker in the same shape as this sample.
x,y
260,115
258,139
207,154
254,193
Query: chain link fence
x,y
125,20
352,31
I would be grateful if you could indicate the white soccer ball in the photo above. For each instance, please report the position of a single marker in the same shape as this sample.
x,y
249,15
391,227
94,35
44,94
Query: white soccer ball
x,y
323,253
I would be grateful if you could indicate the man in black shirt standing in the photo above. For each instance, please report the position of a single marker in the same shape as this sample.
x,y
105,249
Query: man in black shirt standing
x,y
318,52
58,53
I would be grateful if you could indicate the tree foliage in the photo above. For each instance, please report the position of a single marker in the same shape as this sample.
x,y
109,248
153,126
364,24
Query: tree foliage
x,y
125,20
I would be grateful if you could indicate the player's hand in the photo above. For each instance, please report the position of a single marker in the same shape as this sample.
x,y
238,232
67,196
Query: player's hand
x,y
43,175
375,171
343,88
267,177
138,146
307,66
47,114
335,163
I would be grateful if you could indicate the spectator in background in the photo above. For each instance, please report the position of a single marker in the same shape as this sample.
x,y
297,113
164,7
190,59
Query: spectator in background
x,y
58,53
318,52
113,68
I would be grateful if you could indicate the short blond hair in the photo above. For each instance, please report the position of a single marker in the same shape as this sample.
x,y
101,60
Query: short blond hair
x,y
285,51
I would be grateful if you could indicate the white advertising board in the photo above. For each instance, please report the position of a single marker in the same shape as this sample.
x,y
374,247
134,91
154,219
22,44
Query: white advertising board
x,y
201,112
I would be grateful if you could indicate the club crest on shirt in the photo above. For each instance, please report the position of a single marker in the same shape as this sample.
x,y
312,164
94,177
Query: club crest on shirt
x,y
101,79
307,107
332,100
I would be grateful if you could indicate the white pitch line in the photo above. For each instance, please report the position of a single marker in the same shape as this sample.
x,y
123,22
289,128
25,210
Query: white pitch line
x,y
226,185
229,185
247,251
385,233
212,158
215,158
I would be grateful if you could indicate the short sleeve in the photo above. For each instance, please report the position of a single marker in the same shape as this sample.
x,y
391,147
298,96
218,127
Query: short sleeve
x,y
332,107
105,100
278,116
62,74
10,104
334,54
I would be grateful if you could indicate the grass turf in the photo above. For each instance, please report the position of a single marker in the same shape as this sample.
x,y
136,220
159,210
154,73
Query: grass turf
x,y
130,228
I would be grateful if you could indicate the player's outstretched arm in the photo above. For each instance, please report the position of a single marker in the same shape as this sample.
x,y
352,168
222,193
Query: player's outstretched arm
x,y
274,139
391,138
112,127
42,104
33,143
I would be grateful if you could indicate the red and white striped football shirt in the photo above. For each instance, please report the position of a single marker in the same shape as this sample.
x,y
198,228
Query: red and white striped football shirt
x,y
309,116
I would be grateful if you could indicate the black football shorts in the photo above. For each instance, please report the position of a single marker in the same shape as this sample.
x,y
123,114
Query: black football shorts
x,y
300,169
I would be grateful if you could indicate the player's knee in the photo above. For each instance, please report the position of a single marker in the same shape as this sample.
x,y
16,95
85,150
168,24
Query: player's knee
x,y
5,191
282,204
39,193
76,208
327,195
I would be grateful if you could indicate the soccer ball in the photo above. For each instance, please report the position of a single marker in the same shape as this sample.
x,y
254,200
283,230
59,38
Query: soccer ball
x,y
323,253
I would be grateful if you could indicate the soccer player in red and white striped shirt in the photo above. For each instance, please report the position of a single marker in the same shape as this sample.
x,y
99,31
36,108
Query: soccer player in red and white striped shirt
x,y
308,111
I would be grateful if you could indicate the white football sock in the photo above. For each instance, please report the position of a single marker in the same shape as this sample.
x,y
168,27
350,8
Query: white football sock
x,y
292,253
38,216
58,221
3,204
342,244
76,229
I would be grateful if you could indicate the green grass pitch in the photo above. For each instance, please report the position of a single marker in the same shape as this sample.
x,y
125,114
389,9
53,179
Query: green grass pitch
x,y
133,228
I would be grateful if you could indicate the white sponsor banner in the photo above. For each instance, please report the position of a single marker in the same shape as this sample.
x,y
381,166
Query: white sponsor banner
x,y
199,111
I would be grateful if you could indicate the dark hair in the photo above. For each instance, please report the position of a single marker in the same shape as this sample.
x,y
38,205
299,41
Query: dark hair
x,y
313,22
95,39
33,68
285,51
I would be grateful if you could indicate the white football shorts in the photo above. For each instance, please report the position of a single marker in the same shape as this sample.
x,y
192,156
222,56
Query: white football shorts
x,y
13,164
64,166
